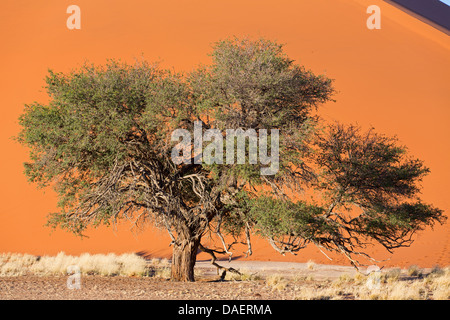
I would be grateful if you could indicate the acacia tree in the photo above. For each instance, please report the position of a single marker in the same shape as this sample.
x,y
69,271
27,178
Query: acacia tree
x,y
104,142
368,189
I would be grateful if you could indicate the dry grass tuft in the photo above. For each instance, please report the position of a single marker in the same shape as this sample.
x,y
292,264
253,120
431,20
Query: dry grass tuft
x,y
391,276
15,264
245,275
344,280
389,285
414,271
314,293
276,282
127,264
404,291
162,273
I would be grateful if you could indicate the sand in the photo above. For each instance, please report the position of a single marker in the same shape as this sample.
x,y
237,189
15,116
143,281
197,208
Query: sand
x,y
261,280
395,79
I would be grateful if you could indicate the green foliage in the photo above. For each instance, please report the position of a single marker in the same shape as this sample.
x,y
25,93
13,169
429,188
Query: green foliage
x,y
274,217
371,186
104,143
252,84
87,128
259,86
368,167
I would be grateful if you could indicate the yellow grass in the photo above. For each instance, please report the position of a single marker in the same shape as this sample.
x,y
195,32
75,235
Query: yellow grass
x,y
393,284
246,275
311,265
277,282
127,264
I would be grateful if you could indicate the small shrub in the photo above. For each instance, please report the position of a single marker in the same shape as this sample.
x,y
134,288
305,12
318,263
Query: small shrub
x,y
132,265
391,276
311,265
404,291
359,278
276,282
163,273
309,278
437,271
165,262
414,271
344,279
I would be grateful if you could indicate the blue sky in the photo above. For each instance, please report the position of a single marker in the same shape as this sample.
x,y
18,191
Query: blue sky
x,y
447,2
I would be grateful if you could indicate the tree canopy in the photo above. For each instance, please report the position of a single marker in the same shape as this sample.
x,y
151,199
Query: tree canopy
x,y
104,141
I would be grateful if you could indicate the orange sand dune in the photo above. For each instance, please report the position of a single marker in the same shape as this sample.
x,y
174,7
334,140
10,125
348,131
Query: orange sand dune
x,y
395,79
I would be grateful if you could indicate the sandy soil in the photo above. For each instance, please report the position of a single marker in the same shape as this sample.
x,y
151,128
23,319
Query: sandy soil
x,y
395,79
123,288
207,286
285,269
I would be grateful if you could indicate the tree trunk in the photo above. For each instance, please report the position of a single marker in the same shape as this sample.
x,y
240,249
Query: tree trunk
x,y
183,259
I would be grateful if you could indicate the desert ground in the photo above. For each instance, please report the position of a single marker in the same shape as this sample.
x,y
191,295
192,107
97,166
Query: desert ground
x,y
394,79
259,280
